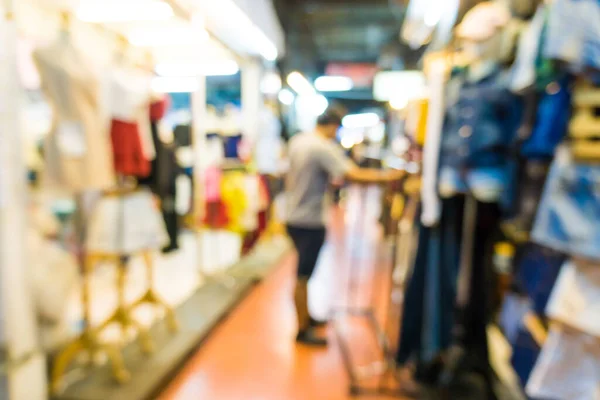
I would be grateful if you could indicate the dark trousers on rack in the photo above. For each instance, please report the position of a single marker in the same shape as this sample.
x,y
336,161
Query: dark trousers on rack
x,y
430,295
308,243
430,319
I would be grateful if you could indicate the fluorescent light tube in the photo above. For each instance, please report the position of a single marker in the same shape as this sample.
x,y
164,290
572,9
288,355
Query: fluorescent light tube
x,y
300,84
193,69
163,84
365,120
334,84
96,11
167,36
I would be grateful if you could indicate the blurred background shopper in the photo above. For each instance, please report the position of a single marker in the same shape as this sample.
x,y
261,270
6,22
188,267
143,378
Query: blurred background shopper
x,y
316,160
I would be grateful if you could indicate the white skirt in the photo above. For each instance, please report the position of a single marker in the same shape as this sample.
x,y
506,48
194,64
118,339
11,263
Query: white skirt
x,y
126,225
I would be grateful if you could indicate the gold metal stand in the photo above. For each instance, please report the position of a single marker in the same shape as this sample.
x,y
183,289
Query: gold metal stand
x,y
89,342
152,298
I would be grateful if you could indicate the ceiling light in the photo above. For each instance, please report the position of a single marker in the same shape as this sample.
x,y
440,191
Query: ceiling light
x,y
365,120
347,142
224,68
300,84
334,84
106,11
312,104
250,35
169,36
163,84
286,97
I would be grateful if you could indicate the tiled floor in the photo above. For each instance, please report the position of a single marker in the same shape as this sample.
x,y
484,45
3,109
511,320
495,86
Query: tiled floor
x,y
252,355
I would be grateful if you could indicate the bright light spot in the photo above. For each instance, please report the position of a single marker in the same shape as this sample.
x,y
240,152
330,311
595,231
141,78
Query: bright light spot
x,y
286,97
399,102
321,104
175,84
95,11
377,133
365,120
300,84
168,36
347,142
334,84
313,104
223,68
400,145
271,83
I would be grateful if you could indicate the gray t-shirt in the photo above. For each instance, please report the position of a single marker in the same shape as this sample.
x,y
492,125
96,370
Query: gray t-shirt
x,y
314,161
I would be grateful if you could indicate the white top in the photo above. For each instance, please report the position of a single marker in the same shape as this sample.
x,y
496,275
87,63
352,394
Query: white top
x,y
431,203
77,150
128,99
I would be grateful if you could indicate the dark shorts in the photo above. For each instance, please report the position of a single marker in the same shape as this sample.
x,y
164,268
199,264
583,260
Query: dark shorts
x,y
308,243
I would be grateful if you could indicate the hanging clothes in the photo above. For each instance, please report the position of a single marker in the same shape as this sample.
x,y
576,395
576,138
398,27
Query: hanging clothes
x,y
574,33
164,175
76,151
569,212
431,203
235,200
231,146
568,368
479,130
129,102
128,154
430,295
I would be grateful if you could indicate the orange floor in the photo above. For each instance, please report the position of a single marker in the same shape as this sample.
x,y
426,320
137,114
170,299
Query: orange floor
x,y
252,354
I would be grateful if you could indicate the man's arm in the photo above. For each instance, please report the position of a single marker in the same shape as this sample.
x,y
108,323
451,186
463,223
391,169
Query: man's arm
x,y
373,176
338,165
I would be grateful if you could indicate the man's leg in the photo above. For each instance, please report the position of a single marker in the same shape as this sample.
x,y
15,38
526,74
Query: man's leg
x,y
308,243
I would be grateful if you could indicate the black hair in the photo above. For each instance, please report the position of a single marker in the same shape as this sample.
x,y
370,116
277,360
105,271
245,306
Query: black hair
x,y
330,117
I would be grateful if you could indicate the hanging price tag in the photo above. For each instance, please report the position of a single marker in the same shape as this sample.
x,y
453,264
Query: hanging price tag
x,y
71,139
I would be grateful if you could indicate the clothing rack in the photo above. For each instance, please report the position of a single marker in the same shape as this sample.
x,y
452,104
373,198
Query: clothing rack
x,y
467,337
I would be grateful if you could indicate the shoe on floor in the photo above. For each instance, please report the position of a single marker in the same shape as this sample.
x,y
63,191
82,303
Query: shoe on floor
x,y
310,338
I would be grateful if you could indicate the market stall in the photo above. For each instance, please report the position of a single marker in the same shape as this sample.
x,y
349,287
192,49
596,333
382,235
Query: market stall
x,y
114,170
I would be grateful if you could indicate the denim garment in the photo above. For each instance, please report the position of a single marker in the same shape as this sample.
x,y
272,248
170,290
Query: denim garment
x,y
514,309
574,32
552,120
536,274
428,315
478,132
568,219
525,354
